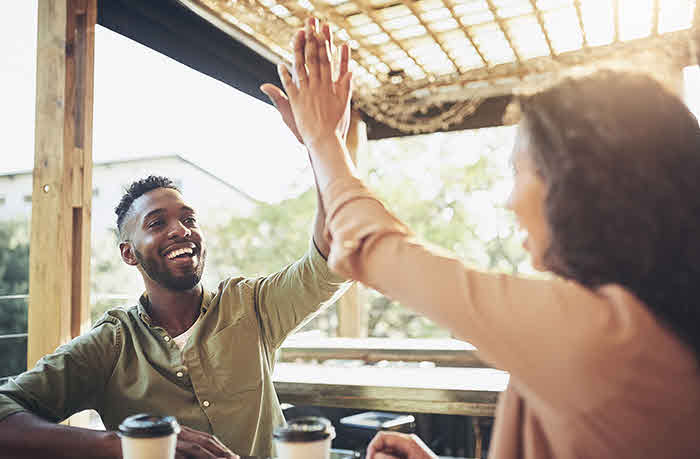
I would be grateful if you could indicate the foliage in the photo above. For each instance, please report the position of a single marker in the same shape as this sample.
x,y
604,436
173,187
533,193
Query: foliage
x,y
448,188
14,280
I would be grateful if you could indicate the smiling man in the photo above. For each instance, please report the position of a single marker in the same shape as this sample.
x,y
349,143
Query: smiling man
x,y
204,357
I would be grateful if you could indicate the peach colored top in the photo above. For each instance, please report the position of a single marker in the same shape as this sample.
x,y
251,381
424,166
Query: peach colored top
x,y
593,374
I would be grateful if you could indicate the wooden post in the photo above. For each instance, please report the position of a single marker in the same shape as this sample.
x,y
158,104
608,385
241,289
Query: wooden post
x,y
352,310
59,302
695,39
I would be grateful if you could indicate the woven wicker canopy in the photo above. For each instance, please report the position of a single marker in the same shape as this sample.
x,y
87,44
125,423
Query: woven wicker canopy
x,y
413,56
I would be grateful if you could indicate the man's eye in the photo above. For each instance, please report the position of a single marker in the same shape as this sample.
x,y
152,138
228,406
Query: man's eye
x,y
155,223
190,220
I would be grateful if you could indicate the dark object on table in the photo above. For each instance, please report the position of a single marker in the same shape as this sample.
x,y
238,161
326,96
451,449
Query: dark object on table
x,y
358,430
335,454
344,454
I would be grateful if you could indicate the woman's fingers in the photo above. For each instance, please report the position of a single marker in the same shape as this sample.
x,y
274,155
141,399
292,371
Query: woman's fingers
x,y
344,88
331,51
326,31
299,67
324,61
311,52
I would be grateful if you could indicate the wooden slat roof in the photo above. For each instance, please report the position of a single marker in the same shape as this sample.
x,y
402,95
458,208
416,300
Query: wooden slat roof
x,y
410,56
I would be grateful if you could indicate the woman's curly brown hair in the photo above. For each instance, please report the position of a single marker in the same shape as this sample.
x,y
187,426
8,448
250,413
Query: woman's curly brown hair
x,y
620,156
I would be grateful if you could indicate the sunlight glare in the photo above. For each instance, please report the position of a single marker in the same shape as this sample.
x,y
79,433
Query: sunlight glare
x,y
675,15
598,22
636,18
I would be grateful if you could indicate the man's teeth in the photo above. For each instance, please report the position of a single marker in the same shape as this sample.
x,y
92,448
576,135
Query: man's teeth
x,y
179,252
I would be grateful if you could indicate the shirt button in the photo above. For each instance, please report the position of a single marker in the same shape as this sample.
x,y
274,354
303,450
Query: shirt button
x,y
179,374
206,403
167,338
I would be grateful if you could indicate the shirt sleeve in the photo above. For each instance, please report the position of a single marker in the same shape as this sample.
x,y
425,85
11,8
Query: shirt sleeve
x,y
287,299
535,329
69,380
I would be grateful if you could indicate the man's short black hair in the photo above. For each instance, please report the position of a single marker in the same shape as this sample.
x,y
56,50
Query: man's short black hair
x,y
136,190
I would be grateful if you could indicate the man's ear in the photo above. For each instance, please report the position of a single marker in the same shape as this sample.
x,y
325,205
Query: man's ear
x,y
128,254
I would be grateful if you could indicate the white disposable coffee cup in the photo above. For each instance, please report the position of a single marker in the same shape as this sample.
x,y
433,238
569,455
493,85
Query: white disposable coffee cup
x,y
145,436
304,438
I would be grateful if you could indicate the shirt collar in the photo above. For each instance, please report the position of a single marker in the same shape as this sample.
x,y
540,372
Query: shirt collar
x,y
142,306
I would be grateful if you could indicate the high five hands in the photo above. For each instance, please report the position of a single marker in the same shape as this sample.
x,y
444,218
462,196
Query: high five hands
x,y
320,103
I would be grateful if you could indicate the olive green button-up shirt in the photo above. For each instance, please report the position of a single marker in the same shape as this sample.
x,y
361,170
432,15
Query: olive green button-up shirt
x,y
220,382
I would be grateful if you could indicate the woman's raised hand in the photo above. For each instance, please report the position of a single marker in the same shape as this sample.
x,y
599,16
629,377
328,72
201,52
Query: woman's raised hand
x,y
319,103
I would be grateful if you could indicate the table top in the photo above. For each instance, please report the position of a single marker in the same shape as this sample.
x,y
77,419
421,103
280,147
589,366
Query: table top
x,y
465,391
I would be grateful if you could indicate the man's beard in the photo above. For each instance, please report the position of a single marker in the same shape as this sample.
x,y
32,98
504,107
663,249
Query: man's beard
x,y
166,279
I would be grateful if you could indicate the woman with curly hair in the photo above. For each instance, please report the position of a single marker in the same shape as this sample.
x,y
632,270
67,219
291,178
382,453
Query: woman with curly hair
x,y
603,359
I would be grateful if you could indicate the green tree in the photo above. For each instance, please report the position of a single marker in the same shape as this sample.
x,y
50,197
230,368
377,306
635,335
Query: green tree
x,y
14,280
449,188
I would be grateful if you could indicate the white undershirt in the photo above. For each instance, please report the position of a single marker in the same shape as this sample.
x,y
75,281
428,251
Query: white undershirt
x,y
181,339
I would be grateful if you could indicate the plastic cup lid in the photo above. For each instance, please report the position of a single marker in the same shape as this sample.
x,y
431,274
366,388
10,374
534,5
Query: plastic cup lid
x,y
306,429
148,426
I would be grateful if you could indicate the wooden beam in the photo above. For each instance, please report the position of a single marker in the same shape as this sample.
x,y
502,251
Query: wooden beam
x,y
59,306
467,33
502,25
352,313
695,38
540,20
488,114
366,7
616,20
414,9
579,15
656,11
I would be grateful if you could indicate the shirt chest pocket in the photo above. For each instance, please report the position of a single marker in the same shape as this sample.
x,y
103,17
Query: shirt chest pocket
x,y
233,357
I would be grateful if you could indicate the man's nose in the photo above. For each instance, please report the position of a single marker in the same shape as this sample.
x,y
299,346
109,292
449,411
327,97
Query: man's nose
x,y
179,230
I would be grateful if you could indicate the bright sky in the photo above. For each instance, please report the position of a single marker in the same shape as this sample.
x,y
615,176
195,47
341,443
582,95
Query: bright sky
x,y
147,104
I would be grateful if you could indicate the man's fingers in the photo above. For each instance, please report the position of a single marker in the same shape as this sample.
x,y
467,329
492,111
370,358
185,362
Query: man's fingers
x,y
286,79
275,94
193,450
311,50
299,58
201,444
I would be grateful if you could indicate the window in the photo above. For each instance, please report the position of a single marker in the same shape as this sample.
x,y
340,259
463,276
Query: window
x,y
222,173
234,154
18,47
450,189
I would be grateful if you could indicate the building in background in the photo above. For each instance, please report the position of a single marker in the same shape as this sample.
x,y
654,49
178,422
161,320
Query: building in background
x,y
214,199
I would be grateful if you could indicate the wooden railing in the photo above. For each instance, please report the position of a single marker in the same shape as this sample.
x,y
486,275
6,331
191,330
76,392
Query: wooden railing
x,y
441,352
